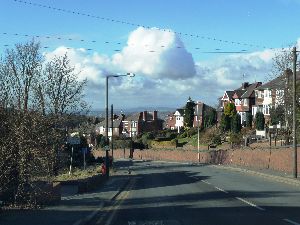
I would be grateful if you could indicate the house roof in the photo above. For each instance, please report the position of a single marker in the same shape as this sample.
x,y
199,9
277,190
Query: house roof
x,y
181,111
133,117
278,82
246,92
250,90
116,123
238,93
200,109
229,94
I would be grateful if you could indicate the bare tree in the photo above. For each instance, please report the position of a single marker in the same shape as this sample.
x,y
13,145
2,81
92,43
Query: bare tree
x,y
35,100
63,90
282,68
22,68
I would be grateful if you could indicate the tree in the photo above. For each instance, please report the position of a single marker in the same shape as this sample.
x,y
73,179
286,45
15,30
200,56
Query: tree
x,y
189,113
21,69
225,122
227,117
236,123
31,136
277,115
210,117
282,66
229,109
260,121
63,90
249,119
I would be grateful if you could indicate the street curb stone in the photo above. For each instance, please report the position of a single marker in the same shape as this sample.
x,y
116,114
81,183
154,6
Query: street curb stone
x,y
286,180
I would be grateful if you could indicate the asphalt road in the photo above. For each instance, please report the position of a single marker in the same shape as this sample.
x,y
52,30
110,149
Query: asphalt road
x,y
176,194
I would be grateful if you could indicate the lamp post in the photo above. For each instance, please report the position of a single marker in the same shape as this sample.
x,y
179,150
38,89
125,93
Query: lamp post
x,y
295,169
198,133
106,118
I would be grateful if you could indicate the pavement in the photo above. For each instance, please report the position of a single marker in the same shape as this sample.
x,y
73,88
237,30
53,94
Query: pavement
x,y
74,209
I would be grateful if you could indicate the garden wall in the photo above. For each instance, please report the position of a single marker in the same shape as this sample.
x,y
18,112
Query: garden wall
x,y
280,159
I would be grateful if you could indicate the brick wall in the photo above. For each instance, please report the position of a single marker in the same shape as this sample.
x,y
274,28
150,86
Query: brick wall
x,y
277,159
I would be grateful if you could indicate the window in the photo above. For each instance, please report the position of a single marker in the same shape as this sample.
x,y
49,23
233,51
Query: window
x,y
246,102
268,93
279,93
259,94
266,109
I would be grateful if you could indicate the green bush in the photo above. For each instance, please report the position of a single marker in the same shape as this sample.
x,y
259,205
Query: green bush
x,y
249,119
260,121
216,140
163,144
171,135
235,138
236,123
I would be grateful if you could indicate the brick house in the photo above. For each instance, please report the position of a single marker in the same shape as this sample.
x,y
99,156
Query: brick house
x,y
170,122
243,98
117,127
175,121
140,123
272,94
201,110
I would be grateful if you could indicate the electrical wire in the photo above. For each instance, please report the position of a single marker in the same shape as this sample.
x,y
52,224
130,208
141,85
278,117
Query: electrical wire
x,y
146,46
137,25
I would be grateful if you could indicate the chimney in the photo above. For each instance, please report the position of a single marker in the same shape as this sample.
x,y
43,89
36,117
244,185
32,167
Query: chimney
x,y
145,115
154,115
245,85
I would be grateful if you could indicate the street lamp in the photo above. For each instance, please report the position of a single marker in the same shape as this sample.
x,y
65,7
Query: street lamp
x,y
198,133
106,118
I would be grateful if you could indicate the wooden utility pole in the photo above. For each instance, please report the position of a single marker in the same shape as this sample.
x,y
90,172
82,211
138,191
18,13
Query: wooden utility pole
x,y
112,131
295,169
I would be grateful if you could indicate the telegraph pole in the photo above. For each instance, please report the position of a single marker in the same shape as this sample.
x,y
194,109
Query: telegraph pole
x,y
198,133
112,131
106,131
295,169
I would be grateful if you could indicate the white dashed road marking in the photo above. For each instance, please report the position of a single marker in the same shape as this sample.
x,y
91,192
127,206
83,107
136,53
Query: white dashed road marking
x,y
220,189
291,221
206,182
250,203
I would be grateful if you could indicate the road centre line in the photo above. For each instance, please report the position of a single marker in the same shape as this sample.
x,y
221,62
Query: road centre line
x,y
291,221
243,200
206,182
250,203
111,210
220,189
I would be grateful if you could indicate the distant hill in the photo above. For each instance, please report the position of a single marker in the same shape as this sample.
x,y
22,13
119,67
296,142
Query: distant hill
x,y
162,111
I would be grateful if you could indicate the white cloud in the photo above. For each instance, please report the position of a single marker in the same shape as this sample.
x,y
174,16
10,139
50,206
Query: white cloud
x,y
165,77
155,54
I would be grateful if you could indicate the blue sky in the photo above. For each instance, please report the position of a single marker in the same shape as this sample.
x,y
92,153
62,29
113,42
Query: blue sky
x,y
257,25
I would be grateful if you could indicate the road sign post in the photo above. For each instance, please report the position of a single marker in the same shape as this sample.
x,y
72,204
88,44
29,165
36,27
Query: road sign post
x,y
106,148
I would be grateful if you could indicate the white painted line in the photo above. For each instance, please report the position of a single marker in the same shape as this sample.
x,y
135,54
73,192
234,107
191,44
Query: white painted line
x,y
291,221
90,216
170,162
146,222
77,222
250,203
220,189
205,181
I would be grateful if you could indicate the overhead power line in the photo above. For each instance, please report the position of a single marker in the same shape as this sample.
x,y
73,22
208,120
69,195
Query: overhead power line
x,y
117,44
138,25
